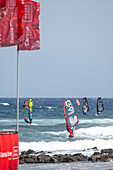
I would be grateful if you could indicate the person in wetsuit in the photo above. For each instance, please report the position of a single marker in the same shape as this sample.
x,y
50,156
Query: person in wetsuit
x,y
71,134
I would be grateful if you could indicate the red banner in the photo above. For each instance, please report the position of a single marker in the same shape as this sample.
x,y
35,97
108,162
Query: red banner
x,y
30,22
9,151
10,20
2,3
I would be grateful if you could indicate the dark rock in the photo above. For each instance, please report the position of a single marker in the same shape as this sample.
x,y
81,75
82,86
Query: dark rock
x,y
99,157
92,159
21,159
95,148
107,151
66,158
80,157
53,160
49,152
43,158
96,153
28,160
63,158
30,152
23,153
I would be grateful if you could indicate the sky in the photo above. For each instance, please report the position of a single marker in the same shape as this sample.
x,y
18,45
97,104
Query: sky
x,y
76,54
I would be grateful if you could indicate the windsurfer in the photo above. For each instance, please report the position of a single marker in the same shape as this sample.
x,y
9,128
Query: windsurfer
x,y
29,108
67,128
30,117
100,106
71,134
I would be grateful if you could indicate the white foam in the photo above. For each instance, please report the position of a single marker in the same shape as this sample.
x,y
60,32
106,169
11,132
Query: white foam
x,y
5,104
44,122
67,147
34,124
95,132
47,107
99,121
55,133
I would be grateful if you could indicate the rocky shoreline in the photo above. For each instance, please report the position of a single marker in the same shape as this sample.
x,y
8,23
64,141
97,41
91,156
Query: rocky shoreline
x,y
30,156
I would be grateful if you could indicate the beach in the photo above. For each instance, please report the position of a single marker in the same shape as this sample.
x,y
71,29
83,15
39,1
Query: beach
x,y
69,166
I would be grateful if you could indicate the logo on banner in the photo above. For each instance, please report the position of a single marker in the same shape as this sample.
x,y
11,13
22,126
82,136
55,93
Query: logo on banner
x,y
27,37
10,154
11,4
12,29
28,12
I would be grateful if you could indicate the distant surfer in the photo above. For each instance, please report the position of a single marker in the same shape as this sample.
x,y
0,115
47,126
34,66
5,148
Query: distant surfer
x,y
85,105
29,109
100,106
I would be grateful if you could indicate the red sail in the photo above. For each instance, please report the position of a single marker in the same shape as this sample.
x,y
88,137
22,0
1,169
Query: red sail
x,y
9,151
10,21
30,21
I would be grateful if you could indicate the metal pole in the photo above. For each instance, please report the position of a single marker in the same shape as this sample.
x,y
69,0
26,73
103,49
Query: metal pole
x,y
17,89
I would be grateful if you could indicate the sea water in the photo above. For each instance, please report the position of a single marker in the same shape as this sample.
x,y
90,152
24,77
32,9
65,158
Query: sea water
x,y
48,131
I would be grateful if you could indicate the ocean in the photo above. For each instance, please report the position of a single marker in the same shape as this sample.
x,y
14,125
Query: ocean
x,y
48,131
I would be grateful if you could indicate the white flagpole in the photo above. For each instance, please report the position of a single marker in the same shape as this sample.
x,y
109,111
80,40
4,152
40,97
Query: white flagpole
x,y
17,89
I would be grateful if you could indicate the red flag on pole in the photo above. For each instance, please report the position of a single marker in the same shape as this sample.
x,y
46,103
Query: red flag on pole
x,y
7,24
31,34
10,20
2,3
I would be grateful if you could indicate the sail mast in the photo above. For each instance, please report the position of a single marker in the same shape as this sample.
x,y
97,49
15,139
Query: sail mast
x,y
17,89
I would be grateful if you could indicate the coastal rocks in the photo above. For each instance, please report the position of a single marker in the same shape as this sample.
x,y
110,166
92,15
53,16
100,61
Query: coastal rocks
x,y
31,156
40,157
105,155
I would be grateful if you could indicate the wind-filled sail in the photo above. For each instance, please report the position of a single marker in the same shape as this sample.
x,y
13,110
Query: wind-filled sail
x,y
29,107
70,116
85,106
25,105
77,101
100,106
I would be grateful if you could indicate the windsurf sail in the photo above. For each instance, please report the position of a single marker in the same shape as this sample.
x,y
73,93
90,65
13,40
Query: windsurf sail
x,y
85,105
77,101
25,105
100,105
29,107
70,116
